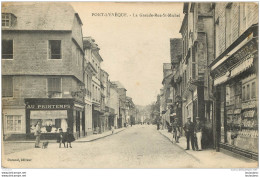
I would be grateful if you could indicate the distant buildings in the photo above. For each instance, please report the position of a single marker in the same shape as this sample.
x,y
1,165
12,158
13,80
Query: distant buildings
x,y
52,74
214,75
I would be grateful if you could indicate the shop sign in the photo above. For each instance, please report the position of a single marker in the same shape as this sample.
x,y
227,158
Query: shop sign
x,y
237,111
79,106
230,111
248,62
58,106
248,105
96,108
45,114
249,113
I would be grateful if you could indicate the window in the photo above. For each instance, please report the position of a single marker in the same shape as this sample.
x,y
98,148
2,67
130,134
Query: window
x,y
244,93
228,25
244,15
6,20
54,87
247,92
55,49
253,93
7,49
7,86
193,66
13,123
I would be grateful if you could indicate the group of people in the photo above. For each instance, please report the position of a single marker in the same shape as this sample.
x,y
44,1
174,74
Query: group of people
x,y
193,133
62,137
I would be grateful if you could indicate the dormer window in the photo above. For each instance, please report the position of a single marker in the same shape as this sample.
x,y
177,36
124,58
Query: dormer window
x,y
8,19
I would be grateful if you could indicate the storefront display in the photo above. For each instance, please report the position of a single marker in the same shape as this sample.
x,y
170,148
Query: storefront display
x,y
54,114
235,80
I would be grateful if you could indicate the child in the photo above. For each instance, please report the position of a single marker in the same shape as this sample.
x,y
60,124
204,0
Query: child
x,y
70,137
112,129
61,138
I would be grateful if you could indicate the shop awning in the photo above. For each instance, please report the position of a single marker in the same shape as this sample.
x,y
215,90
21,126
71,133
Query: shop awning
x,y
249,114
48,114
237,111
235,71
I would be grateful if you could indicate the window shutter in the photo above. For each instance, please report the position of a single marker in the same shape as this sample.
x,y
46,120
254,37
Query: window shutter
x,y
7,86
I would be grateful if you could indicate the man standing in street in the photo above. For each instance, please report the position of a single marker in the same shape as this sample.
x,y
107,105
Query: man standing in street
x,y
198,133
176,130
37,133
189,132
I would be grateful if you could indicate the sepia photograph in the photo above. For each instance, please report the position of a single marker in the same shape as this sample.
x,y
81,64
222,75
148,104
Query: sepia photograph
x,y
129,85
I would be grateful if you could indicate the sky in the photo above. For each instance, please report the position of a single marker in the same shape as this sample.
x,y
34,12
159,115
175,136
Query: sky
x,y
133,48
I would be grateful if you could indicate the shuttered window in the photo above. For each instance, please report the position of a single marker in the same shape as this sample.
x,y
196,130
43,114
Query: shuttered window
x,y
253,93
54,85
7,86
7,49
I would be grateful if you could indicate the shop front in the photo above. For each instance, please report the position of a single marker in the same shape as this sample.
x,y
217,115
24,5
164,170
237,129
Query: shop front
x,y
96,118
235,85
54,114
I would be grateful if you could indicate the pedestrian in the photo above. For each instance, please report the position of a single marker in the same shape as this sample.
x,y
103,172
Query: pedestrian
x,y
176,130
61,138
37,134
69,137
158,125
198,134
112,129
189,133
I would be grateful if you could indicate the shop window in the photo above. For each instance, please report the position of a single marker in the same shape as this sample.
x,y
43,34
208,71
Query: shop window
x,y
7,86
54,86
7,49
54,49
244,93
13,123
247,92
253,87
51,120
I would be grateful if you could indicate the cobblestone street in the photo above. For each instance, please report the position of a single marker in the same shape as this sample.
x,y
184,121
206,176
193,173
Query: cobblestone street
x,y
140,146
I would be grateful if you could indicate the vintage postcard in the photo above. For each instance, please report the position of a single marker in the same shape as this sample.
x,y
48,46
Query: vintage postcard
x,y
129,85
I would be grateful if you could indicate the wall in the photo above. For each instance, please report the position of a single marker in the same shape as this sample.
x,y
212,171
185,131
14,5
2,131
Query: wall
x,y
31,49
238,25
35,87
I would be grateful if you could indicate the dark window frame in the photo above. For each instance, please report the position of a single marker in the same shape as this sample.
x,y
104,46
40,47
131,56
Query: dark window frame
x,y
55,49
54,84
7,49
7,88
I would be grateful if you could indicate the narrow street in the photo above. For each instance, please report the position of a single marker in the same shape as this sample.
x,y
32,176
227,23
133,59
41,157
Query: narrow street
x,y
140,146
136,147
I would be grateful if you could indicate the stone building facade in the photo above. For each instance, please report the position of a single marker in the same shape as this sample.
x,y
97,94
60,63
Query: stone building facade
x,y
42,70
198,51
235,74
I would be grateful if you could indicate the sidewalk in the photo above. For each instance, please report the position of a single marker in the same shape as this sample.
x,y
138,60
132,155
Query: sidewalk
x,y
211,158
98,136
9,147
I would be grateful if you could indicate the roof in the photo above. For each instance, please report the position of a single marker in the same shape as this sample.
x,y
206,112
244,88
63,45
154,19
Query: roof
x,y
119,85
167,66
41,15
89,42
